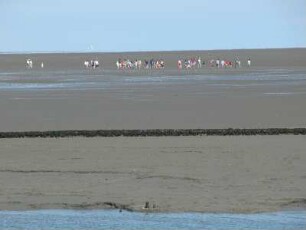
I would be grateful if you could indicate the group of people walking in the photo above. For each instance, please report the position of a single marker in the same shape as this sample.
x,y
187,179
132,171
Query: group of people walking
x,y
128,64
155,64
29,64
92,64
192,63
139,64
187,63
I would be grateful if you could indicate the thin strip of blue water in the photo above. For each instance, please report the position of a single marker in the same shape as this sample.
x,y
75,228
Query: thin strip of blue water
x,y
62,219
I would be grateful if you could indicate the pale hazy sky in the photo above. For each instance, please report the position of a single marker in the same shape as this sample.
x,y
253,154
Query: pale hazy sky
x,y
138,25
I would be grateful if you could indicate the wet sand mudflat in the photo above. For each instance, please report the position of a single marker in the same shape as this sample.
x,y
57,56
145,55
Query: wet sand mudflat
x,y
205,174
157,102
270,94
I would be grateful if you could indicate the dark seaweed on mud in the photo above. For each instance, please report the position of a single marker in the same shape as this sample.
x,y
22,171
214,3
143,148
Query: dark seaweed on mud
x,y
154,133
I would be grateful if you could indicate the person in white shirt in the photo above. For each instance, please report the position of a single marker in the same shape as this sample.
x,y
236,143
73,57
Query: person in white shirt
x,y
199,63
218,63
222,63
249,62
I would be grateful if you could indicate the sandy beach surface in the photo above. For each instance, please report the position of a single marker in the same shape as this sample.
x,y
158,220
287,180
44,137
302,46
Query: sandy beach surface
x,y
206,174
180,174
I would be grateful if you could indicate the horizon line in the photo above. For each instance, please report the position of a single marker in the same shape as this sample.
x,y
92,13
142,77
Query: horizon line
x,y
144,51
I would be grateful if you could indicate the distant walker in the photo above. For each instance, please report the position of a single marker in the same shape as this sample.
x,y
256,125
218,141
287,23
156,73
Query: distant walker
x,y
29,63
91,64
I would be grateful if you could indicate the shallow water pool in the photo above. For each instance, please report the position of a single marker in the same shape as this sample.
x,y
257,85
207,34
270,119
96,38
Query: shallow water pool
x,y
60,219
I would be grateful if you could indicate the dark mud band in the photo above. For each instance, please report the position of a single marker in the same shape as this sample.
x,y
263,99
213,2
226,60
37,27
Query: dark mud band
x,y
154,133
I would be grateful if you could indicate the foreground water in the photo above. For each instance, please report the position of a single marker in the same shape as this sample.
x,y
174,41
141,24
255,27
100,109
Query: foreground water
x,y
56,219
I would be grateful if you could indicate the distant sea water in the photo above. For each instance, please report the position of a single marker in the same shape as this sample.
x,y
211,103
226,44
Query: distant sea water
x,y
79,220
